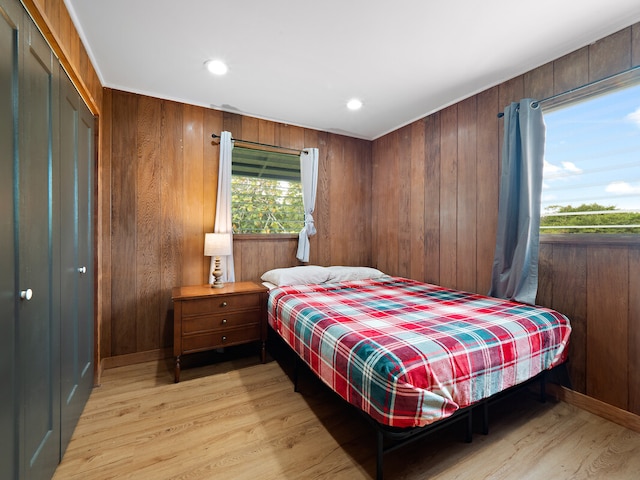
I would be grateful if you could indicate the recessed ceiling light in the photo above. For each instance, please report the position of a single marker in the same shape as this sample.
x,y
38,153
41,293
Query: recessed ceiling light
x,y
354,104
217,67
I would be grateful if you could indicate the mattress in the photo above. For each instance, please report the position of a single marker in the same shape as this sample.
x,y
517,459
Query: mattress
x,y
409,353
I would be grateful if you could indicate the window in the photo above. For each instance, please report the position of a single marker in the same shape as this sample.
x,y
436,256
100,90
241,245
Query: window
x,y
591,180
266,192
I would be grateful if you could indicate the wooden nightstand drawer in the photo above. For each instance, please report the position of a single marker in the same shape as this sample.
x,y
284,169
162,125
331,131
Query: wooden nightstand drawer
x,y
219,322
220,304
222,338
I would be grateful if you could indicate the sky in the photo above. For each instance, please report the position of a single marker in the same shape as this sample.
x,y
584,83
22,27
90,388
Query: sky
x,y
592,152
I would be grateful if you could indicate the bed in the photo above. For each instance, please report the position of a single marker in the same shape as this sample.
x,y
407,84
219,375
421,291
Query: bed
x,y
407,354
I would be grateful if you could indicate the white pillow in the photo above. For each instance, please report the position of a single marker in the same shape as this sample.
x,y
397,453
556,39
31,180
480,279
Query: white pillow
x,y
302,275
346,274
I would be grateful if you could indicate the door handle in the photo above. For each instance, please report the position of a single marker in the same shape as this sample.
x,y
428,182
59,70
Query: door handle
x,y
82,269
26,294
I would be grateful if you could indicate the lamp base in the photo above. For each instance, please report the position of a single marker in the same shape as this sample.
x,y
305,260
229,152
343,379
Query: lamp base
x,y
217,275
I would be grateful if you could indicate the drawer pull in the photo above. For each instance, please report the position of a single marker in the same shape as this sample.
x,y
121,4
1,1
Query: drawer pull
x,y
224,339
224,321
224,304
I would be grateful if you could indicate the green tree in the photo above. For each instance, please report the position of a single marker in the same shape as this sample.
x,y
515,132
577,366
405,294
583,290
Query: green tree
x,y
576,221
262,205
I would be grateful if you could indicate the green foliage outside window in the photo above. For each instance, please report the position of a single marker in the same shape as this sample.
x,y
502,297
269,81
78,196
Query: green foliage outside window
x,y
568,219
261,205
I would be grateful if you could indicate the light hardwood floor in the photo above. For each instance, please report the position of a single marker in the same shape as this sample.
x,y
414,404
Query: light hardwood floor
x,y
239,419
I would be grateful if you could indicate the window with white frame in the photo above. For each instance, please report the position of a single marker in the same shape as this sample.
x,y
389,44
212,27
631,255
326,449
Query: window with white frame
x,y
591,180
266,192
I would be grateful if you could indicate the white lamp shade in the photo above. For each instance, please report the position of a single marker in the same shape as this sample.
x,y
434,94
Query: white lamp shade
x,y
217,244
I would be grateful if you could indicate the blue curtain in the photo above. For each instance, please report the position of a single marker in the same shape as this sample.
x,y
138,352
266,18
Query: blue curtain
x,y
515,264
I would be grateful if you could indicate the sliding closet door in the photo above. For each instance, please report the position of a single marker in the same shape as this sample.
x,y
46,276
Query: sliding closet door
x,y
69,274
76,272
10,17
38,318
86,283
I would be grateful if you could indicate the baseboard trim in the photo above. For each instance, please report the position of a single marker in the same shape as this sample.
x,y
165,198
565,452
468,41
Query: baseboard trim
x,y
138,357
597,407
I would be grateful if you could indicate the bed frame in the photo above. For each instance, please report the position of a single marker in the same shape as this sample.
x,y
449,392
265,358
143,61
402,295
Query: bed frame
x,y
389,439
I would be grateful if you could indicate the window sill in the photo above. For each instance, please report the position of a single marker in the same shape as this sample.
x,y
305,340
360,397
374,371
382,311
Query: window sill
x,y
591,239
264,236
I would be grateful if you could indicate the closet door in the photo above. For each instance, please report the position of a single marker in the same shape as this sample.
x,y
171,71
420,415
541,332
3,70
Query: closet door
x,y
10,16
38,318
86,285
69,273
76,272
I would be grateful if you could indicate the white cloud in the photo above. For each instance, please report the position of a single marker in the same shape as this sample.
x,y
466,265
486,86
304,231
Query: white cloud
x,y
550,168
634,117
571,167
554,172
623,188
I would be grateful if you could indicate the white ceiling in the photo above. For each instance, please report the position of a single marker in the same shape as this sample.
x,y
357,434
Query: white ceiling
x,y
299,61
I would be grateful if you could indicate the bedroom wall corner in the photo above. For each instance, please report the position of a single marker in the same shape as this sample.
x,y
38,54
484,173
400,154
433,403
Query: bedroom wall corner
x,y
157,200
455,161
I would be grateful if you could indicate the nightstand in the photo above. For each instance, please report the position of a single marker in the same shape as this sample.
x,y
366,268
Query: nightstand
x,y
206,318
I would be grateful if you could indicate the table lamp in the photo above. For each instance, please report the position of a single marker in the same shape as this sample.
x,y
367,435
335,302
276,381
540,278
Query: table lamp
x,y
217,245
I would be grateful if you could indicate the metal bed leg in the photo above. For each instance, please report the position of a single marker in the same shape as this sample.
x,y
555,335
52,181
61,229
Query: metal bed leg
x,y
562,371
469,433
379,454
296,371
543,386
485,418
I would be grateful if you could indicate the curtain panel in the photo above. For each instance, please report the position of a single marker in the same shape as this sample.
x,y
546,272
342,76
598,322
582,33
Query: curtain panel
x,y
309,179
223,222
515,265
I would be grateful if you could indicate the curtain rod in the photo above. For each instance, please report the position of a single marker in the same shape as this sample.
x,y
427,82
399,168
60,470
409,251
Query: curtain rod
x,y
262,144
576,89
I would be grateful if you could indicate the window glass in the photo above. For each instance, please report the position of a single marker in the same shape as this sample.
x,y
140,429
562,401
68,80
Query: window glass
x,y
592,165
266,192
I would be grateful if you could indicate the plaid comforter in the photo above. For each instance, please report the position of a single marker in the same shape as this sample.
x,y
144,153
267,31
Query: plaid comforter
x,y
409,353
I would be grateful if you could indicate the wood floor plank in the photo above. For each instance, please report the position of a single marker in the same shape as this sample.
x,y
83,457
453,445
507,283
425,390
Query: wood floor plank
x,y
240,419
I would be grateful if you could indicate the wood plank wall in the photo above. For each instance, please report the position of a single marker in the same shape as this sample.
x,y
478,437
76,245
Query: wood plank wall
x,y
435,202
597,283
159,169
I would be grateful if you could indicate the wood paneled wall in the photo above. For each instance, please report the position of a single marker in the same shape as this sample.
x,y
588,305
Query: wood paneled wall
x,y
435,202
159,169
435,181
597,285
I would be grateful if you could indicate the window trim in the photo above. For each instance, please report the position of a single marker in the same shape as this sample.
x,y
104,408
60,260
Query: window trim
x,y
265,236
603,86
610,239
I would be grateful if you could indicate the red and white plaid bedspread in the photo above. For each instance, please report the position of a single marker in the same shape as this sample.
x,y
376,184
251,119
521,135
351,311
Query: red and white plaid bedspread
x,y
409,353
